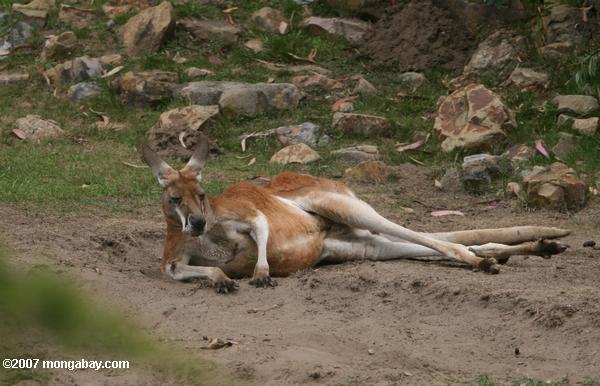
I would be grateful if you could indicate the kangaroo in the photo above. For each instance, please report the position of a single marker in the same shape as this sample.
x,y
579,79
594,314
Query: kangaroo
x,y
298,221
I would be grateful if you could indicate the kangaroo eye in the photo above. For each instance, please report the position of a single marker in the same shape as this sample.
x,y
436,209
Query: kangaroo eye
x,y
174,200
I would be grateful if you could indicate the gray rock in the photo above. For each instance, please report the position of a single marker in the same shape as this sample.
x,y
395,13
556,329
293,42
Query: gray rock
x,y
497,55
561,25
555,51
353,30
16,37
451,181
303,133
576,104
564,146
238,98
478,172
564,119
84,90
211,30
324,140
360,124
74,71
412,80
316,80
357,154
364,87
586,126
37,129
526,77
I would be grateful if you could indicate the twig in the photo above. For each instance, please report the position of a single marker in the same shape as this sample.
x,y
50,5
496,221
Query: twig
x,y
134,165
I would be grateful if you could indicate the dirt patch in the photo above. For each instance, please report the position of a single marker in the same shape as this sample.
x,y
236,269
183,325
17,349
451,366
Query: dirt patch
x,y
425,321
418,36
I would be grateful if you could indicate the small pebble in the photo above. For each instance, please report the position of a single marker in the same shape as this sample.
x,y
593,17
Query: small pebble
x,y
589,244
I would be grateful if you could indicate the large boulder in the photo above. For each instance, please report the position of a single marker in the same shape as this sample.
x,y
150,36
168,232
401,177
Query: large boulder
x,y
148,30
555,186
575,104
472,117
360,124
146,88
180,125
497,55
239,98
353,30
211,30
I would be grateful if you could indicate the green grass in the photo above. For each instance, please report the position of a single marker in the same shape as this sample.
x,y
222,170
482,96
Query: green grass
x,y
44,317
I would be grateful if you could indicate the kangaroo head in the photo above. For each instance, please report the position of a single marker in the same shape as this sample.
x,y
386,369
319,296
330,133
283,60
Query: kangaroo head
x,y
184,201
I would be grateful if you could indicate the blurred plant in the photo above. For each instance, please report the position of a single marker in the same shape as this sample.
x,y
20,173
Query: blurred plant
x,y
587,77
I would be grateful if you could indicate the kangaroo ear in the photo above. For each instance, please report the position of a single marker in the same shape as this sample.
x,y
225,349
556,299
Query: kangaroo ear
x,y
159,167
196,163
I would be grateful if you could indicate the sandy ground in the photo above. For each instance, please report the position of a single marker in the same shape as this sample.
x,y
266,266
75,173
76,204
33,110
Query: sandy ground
x,y
385,323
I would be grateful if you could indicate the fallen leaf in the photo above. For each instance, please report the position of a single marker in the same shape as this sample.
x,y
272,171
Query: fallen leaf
x,y
283,28
113,72
437,184
312,55
539,146
440,213
214,60
336,106
252,161
181,138
230,10
416,161
410,146
134,165
19,134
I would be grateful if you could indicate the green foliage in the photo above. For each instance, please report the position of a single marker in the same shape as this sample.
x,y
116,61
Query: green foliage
x,y
587,77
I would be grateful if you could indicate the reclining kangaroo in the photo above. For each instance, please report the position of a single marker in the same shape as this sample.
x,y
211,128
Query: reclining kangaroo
x,y
298,221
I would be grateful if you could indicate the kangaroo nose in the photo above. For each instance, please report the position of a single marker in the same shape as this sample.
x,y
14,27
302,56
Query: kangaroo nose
x,y
197,223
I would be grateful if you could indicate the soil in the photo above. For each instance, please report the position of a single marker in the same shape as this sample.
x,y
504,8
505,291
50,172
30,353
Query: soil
x,y
426,321
418,36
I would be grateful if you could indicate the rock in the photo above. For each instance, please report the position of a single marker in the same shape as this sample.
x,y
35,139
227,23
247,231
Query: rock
x,y
317,81
368,171
74,71
360,124
37,129
358,153
519,153
110,60
324,140
353,30
211,30
555,186
565,145
187,121
586,126
514,188
575,104
303,133
13,77
80,18
270,19
255,45
472,117
412,80
451,181
526,78
364,87
238,98
17,35
148,30
59,45
561,25
564,119
299,153
37,9
478,172
114,8
297,69
194,72
555,51
84,90
497,55
460,81
346,107
145,88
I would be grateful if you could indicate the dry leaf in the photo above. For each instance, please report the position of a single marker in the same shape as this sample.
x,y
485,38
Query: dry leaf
x,y
437,184
113,71
252,161
181,137
440,213
283,27
230,10
19,134
410,146
214,60
539,146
